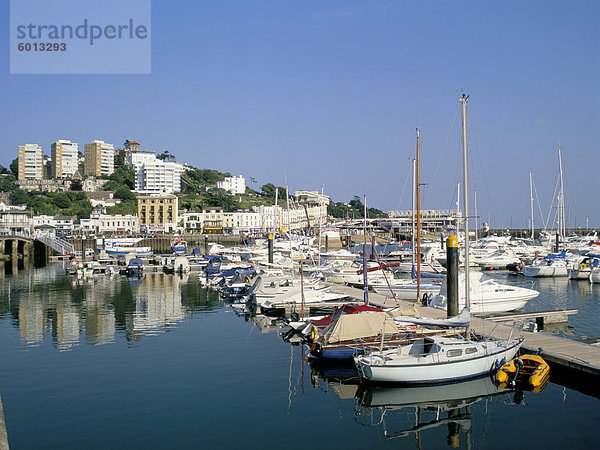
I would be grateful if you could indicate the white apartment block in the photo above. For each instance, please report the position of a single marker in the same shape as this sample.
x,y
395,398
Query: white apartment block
x,y
135,159
64,158
99,158
31,162
158,177
153,176
235,185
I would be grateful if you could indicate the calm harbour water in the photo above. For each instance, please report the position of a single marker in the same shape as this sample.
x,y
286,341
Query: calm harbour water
x,y
161,363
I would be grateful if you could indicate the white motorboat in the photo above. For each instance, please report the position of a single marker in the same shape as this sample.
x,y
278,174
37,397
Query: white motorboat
x,y
581,268
498,260
353,274
406,289
486,295
126,246
435,359
550,266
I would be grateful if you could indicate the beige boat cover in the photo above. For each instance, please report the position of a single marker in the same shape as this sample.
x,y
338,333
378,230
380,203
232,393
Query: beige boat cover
x,y
357,326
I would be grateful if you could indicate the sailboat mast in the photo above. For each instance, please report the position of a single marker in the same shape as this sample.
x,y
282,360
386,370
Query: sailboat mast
x,y
561,201
366,291
531,201
320,222
476,217
463,101
418,255
276,212
414,177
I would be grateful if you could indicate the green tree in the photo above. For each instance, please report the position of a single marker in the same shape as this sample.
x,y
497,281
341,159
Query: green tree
x,y
18,197
123,193
61,200
166,156
7,183
3,170
221,197
77,196
122,176
14,167
268,190
119,159
198,177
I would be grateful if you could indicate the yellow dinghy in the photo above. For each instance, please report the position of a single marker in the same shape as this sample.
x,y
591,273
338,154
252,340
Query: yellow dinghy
x,y
528,371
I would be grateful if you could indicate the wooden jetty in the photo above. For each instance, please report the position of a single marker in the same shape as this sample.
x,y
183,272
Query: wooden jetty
x,y
574,364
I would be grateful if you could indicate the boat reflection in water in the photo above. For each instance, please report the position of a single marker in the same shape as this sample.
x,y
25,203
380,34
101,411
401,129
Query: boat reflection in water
x,y
432,405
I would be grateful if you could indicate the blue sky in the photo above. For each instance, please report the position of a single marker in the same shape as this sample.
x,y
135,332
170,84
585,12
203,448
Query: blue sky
x,y
330,93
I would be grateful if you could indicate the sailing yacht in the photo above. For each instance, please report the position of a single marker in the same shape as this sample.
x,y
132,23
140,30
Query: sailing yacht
x,y
435,359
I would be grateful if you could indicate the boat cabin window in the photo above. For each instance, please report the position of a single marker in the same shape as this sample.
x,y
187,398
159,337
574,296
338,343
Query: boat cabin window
x,y
471,350
427,345
454,352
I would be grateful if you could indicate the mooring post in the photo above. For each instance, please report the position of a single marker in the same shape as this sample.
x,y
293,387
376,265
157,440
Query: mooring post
x,y
452,276
270,241
326,243
206,245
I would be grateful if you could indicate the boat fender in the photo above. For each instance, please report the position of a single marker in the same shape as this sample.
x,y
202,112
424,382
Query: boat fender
x,y
314,334
246,279
582,266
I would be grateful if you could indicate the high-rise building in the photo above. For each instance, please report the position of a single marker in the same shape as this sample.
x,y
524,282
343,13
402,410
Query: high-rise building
x,y
64,158
153,176
99,158
31,162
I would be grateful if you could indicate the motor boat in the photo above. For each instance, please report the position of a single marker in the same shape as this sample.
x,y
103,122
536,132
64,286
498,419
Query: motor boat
x,y
486,295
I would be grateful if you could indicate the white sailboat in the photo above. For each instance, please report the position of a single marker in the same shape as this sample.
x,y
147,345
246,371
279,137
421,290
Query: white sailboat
x,y
436,359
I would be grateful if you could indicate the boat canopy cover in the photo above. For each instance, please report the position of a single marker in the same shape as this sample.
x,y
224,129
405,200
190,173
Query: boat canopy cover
x,y
357,326
562,254
430,275
135,262
346,309
196,251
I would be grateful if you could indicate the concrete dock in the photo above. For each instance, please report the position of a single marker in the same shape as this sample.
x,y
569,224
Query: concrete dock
x,y
574,364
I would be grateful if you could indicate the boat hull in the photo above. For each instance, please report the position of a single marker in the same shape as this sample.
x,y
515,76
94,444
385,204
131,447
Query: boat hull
x,y
544,271
428,370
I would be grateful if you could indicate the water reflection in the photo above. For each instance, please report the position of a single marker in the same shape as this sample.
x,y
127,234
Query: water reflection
x,y
438,411
46,302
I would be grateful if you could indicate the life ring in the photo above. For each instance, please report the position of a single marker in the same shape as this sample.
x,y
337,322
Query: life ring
x,y
582,266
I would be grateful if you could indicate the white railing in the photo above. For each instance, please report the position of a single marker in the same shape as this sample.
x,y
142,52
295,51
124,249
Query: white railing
x,y
54,242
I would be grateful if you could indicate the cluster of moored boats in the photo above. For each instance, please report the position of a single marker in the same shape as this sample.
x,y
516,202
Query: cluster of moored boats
x,y
385,344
